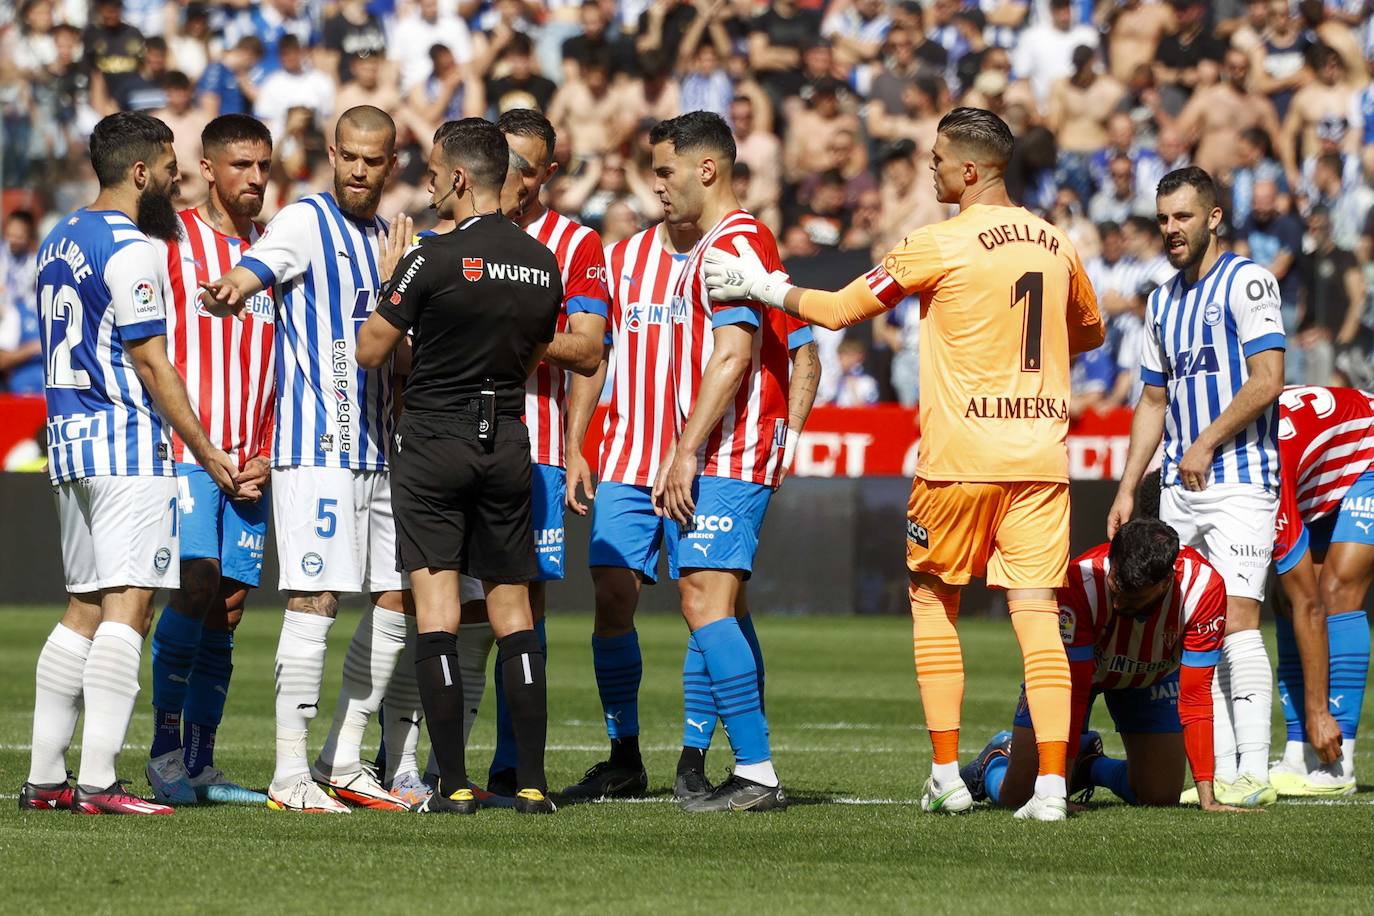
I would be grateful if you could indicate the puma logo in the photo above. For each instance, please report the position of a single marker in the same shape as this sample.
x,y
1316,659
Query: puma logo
x,y
699,726
1364,526
1244,698
702,547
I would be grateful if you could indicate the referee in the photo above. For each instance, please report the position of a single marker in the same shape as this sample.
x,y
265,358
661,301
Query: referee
x,y
480,303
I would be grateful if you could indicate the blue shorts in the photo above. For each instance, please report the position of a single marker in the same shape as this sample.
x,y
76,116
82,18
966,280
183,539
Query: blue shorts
x,y
549,499
1149,710
215,527
625,531
1351,523
725,535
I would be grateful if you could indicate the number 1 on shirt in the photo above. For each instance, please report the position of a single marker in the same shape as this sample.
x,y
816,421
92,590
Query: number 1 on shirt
x,y
1031,288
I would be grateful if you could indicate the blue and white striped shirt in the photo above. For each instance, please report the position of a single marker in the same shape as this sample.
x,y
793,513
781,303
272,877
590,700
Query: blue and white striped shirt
x,y
323,264
100,287
1197,339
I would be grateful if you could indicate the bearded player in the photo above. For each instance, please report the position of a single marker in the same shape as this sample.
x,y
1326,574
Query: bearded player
x,y
228,369
627,535
1324,556
1142,621
554,407
1004,303
331,488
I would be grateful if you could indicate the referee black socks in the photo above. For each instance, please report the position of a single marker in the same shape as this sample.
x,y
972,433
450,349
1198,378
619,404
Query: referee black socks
x,y
441,695
522,674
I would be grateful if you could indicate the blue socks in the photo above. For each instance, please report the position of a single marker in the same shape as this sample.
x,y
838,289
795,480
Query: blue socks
x,y
507,754
1291,684
1110,773
1348,638
698,707
205,698
993,777
619,669
735,688
746,626
1348,647
176,641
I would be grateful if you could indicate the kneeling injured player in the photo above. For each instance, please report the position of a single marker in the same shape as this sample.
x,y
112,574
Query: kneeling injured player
x,y
1324,555
1143,622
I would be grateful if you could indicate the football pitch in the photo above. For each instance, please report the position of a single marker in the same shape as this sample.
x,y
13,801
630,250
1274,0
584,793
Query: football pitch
x,y
843,712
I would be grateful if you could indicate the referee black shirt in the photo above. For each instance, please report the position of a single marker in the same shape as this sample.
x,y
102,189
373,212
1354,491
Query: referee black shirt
x,y
478,300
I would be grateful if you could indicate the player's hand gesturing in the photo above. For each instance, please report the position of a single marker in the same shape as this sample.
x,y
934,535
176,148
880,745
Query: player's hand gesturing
x,y
222,298
393,245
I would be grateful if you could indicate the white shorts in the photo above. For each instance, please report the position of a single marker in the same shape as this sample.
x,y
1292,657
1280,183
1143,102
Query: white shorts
x,y
119,532
1232,525
335,531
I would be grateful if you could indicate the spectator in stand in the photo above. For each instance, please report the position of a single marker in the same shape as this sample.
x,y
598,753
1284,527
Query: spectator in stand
x,y
851,386
426,27
295,84
21,351
589,112
352,31
900,331
1044,52
1280,56
761,152
1347,204
857,31
1120,198
517,85
1079,105
908,201
824,216
776,41
916,120
705,86
365,86
186,122
1121,141
189,46
1134,30
994,89
1217,116
1092,380
1113,273
449,93
1255,163
1332,135
805,150
113,47
907,54
1186,56
847,156
1333,298
1272,239
230,84
621,222
1321,104
596,34
271,21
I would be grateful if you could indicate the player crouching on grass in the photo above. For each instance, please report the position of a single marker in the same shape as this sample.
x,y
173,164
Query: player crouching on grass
x,y
1143,622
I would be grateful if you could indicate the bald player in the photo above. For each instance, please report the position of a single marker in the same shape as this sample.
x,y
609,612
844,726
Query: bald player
x,y
1005,302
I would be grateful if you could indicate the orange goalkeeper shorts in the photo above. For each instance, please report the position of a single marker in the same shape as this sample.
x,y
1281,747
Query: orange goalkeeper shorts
x,y
1014,534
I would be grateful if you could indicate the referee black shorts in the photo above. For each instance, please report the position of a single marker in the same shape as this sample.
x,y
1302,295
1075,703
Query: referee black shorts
x,y
460,505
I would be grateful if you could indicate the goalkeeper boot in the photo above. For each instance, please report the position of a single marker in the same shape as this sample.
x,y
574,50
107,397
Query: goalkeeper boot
x,y
55,796
738,794
459,802
1043,808
169,779
974,774
533,801
211,786
953,798
608,780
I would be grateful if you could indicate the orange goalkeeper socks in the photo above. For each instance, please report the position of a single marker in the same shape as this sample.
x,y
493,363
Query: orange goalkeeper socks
x,y
939,672
1048,687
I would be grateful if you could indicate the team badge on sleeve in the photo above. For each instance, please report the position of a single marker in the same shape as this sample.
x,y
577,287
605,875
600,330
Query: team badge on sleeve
x,y
143,298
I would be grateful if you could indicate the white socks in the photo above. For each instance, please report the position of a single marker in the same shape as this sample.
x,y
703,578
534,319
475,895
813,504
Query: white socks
x,y
367,668
300,671
761,773
1051,786
944,774
109,686
1251,700
475,641
1223,732
57,703
401,710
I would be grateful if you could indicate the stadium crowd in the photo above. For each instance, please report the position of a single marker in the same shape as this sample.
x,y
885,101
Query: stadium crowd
x,y
834,107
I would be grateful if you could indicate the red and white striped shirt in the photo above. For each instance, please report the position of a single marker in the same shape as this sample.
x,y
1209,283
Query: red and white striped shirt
x,y
583,266
1326,441
228,365
748,442
1182,632
639,422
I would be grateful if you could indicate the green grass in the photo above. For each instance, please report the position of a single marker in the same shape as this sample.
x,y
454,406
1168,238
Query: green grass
x,y
844,718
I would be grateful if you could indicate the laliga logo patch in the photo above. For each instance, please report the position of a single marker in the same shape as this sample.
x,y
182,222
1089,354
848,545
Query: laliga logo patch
x,y
162,559
312,564
143,292
1212,314
1067,625
472,269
